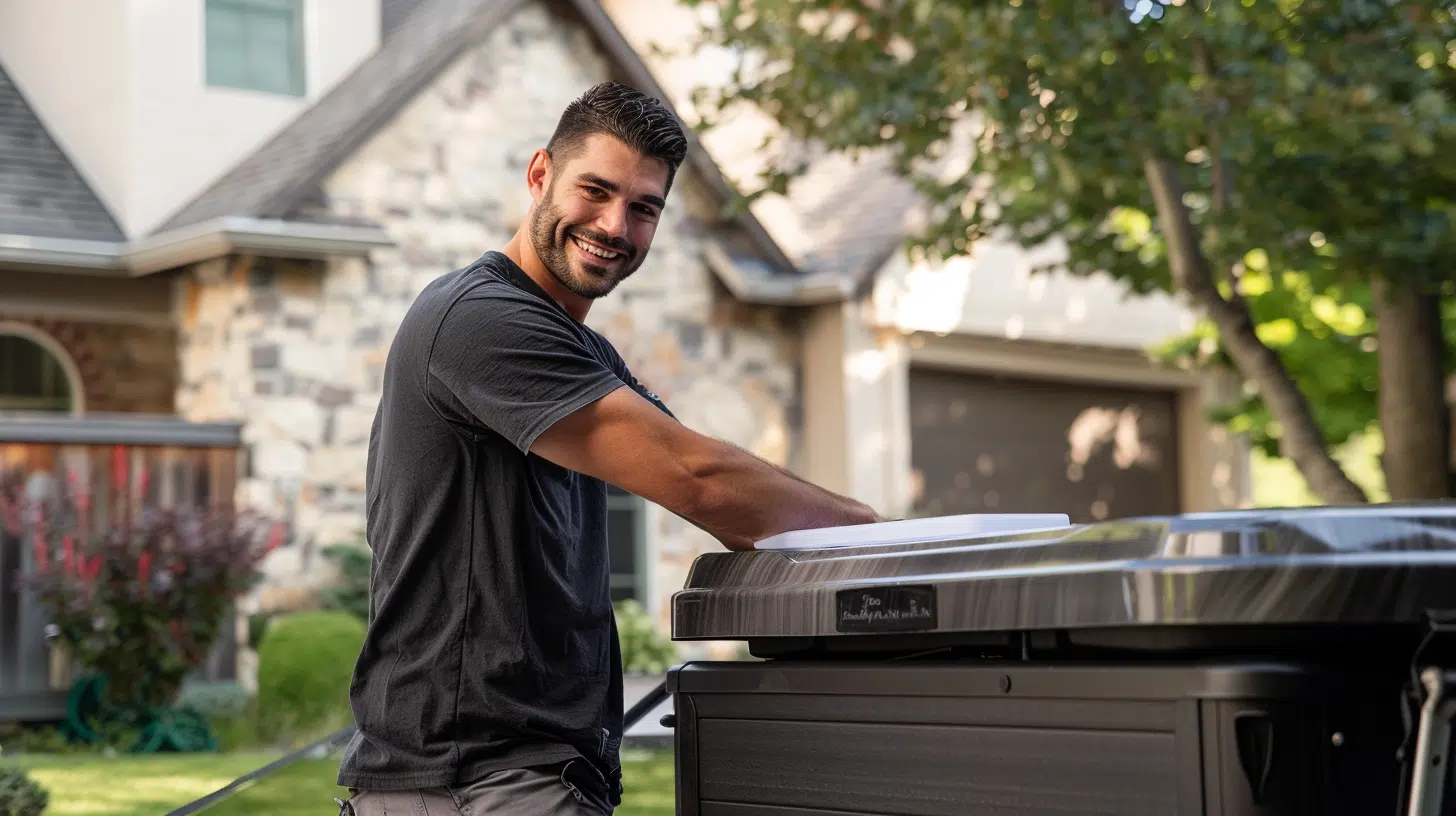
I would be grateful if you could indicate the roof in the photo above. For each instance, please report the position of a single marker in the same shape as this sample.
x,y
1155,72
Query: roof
x,y
41,193
392,13
853,213
282,176
284,171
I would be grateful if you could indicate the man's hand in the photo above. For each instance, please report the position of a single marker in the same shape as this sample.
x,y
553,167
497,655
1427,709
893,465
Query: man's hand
x,y
738,498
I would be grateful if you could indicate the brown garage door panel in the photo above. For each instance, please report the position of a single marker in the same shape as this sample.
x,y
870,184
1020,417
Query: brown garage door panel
x,y
992,444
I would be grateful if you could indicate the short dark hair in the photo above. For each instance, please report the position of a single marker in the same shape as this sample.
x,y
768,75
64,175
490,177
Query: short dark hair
x,y
638,120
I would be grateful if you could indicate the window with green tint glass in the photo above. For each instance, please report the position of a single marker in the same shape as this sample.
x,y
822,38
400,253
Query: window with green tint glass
x,y
256,45
627,544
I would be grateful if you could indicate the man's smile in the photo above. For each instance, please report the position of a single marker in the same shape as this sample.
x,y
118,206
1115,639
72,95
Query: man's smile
x,y
597,252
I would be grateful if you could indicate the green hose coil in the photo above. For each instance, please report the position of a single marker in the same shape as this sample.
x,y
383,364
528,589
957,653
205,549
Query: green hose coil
x,y
90,716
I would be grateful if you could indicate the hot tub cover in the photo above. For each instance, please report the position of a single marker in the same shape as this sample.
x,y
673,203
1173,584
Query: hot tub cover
x,y
1375,564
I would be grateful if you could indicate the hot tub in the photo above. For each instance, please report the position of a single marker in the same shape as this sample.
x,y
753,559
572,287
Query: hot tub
x,y
1240,663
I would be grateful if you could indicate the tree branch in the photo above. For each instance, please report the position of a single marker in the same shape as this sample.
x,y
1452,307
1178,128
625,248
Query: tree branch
x,y
1302,441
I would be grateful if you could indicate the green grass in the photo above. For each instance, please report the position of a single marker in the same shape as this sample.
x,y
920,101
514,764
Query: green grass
x,y
305,787
95,785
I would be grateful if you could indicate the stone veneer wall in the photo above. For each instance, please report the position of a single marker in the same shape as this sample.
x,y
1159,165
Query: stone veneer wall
x,y
297,350
124,368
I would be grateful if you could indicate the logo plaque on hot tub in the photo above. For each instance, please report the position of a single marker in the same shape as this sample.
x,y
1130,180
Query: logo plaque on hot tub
x,y
886,609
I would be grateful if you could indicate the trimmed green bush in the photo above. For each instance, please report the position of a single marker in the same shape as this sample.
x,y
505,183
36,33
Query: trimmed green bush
x,y
20,795
645,650
305,663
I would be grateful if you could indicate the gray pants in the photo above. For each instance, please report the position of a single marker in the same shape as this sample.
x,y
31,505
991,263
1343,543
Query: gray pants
x,y
557,789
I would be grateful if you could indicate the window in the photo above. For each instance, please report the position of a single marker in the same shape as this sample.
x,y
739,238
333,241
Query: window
x,y
627,545
31,377
256,45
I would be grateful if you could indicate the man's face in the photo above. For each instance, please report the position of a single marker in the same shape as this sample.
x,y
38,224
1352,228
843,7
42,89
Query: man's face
x,y
595,217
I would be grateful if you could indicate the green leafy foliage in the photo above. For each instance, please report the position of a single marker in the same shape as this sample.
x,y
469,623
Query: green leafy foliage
x,y
20,795
1312,135
305,664
645,650
350,591
1327,338
1034,119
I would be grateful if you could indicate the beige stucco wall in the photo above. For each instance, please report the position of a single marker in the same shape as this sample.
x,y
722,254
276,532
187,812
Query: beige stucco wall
x,y
297,349
996,291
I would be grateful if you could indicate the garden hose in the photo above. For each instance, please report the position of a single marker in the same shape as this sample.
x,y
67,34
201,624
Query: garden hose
x,y
174,729
84,705
89,716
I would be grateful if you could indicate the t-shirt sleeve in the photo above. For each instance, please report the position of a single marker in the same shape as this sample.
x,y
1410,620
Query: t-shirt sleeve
x,y
516,366
619,367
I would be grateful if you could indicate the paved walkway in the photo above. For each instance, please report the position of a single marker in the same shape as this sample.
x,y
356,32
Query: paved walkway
x,y
648,728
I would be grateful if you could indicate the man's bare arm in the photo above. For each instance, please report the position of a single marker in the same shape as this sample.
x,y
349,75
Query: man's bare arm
x,y
737,497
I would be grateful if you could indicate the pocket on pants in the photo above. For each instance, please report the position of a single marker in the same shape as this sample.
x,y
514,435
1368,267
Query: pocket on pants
x,y
587,784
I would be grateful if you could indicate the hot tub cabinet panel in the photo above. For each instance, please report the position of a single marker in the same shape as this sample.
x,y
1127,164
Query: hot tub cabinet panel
x,y
951,739
1240,664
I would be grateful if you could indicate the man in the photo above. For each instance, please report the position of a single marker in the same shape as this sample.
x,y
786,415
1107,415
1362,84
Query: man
x,y
490,678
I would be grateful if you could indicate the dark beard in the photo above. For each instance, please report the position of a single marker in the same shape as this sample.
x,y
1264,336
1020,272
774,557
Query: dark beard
x,y
550,240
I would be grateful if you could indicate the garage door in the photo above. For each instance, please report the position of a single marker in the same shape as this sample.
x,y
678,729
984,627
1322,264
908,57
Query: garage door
x,y
993,444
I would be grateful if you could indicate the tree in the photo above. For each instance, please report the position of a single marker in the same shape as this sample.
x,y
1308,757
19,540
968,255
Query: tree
x,y
1167,144
1328,339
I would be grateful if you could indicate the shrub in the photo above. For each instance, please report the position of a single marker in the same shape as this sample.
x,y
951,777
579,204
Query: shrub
x,y
214,701
142,600
305,663
350,593
257,627
20,795
645,650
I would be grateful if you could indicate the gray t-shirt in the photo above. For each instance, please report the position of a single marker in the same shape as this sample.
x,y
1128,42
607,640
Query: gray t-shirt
x,y
491,641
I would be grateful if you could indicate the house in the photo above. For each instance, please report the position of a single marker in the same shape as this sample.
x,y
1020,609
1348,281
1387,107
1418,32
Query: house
x,y
219,210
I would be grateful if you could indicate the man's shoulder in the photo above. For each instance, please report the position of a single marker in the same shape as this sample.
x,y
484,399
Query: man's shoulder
x,y
474,294
601,341
480,280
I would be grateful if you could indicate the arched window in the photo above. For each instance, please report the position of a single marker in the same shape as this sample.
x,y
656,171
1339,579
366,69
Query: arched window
x,y
36,374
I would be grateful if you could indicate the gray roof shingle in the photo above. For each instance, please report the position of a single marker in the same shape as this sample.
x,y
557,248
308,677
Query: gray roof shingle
x,y
392,13
41,193
855,212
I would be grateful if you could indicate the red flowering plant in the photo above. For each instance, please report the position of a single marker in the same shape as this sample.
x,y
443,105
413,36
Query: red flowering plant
x,y
140,599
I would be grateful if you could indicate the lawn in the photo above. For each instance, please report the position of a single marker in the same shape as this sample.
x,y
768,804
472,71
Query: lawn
x,y
93,785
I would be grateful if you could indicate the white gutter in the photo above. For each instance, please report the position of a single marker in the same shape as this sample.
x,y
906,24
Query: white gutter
x,y
186,245
754,282
66,253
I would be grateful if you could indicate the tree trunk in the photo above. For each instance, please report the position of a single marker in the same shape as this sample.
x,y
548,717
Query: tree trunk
x,y
1302,441
1413,414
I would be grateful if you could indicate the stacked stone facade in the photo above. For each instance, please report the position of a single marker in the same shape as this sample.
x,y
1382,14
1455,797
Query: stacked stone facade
x,y
296,350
